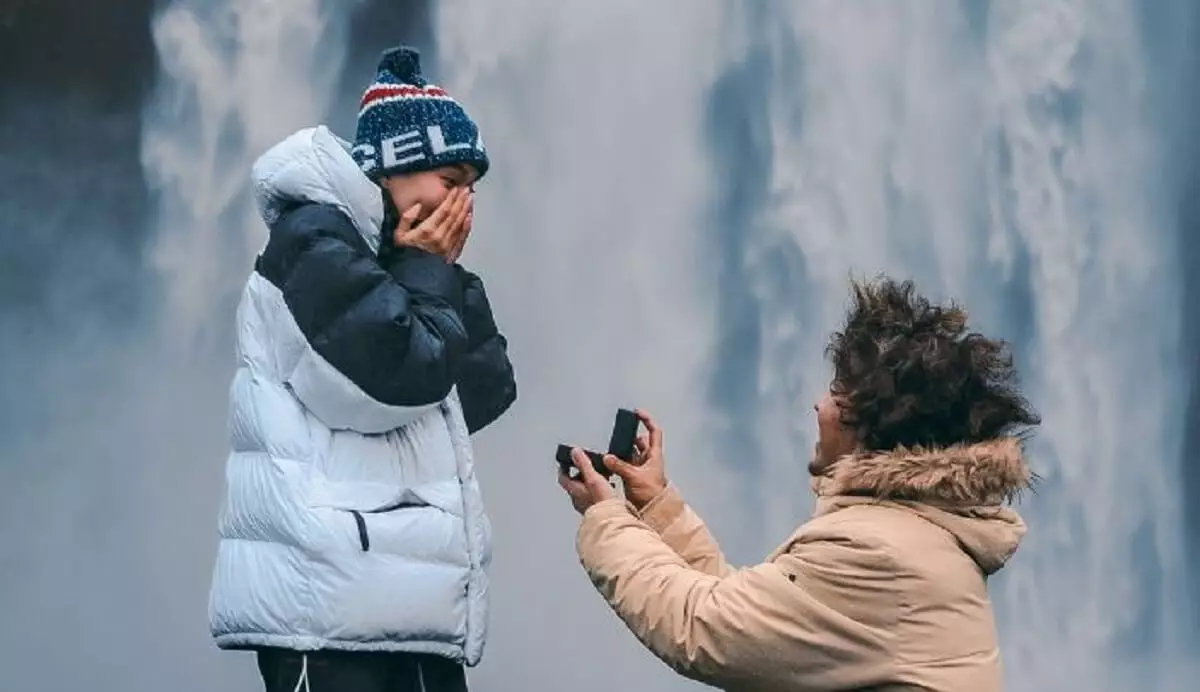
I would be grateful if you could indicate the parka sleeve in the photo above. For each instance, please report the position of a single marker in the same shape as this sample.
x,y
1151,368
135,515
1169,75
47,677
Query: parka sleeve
x,y
385,342
771,626
683,530
487,386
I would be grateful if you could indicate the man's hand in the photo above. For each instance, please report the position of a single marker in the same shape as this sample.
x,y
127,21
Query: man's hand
x,y
444,232
643,479
646,477
589,487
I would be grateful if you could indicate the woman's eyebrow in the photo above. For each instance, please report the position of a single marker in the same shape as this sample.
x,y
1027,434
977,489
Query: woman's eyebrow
x,y
467,173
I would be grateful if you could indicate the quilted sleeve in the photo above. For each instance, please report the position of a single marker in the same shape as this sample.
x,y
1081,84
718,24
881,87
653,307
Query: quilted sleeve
x,y
386,341
486,384
822,616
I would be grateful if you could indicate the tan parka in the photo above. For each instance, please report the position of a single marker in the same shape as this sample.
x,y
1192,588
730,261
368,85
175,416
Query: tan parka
x,y
885,588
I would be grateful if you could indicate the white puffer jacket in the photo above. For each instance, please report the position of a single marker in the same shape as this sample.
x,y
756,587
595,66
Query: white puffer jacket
x,y
353,519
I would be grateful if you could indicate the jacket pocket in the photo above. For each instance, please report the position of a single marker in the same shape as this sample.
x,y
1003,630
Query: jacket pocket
x,y
406,500
364,538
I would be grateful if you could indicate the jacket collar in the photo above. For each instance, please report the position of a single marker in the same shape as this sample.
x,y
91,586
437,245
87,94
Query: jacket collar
x,y
987,473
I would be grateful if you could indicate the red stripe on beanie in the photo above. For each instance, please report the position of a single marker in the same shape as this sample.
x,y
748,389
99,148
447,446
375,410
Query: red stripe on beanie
x,y
377,93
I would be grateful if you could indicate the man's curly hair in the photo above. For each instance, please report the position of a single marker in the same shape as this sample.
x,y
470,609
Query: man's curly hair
x,y
908,373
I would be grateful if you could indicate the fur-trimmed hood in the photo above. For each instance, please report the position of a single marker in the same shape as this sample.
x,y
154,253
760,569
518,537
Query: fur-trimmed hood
x,y
988,473
962,489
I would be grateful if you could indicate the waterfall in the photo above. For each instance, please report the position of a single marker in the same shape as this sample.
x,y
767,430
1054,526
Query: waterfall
x,y
591,235
677,199
235,78
996,153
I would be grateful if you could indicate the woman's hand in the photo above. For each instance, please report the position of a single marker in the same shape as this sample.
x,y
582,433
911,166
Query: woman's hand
x,y
444,232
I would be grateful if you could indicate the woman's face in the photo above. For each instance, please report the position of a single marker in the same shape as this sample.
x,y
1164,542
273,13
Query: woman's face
x,y
428,188
834,439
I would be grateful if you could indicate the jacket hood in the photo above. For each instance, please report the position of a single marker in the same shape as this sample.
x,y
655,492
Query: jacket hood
x,y
314,165
962,489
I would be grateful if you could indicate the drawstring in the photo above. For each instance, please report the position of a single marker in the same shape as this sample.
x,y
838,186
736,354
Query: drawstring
x,y
303,675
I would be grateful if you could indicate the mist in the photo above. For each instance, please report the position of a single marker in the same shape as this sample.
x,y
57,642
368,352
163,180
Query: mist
x,y
676,202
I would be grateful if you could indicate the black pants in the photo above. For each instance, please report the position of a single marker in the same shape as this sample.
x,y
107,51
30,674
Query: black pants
x,y
343,671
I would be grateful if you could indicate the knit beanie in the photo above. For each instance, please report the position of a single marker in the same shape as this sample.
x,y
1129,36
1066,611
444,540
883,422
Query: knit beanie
x,y
406,124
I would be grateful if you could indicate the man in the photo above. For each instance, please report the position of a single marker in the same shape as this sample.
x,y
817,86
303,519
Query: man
x,y
354,543
885,587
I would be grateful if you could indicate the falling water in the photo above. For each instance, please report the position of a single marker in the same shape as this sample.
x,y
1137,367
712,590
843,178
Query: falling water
x,y
589,234
235,78
677,199
997,153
